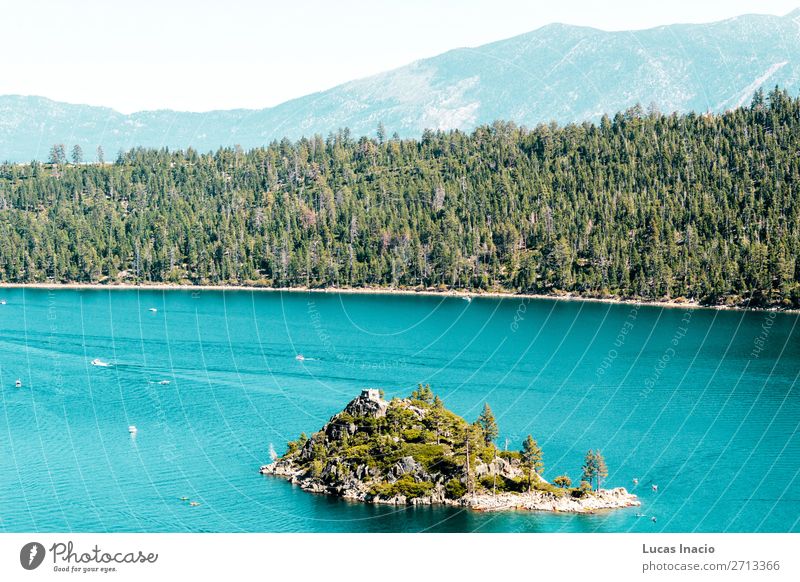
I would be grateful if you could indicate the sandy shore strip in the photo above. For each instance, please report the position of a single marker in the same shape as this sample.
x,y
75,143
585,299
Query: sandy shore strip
x,y
454,293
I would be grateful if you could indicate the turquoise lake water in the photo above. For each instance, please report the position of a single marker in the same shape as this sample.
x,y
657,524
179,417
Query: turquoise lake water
x,y
702,403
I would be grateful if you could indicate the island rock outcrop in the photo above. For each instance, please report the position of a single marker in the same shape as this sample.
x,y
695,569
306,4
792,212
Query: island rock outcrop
x,y
413,451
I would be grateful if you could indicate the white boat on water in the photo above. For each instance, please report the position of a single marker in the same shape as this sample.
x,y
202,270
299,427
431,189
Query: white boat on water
x,y
300,357
101,363
2,301
164,382
18,383
153,309
132,429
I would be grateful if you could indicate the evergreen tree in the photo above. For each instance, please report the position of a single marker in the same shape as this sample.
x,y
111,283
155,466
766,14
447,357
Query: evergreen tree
x,y
472,439
57,154
602,470
594,468
590,467
562,481
532,459
488,424
423,393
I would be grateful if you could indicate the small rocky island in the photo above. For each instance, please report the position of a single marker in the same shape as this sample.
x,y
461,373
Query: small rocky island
x,y
414,451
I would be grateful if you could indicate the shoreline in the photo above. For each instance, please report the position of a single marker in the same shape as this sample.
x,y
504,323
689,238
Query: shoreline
x,y
454,293
600,500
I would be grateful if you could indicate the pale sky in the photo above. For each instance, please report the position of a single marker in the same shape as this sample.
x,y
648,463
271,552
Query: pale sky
x,y
199,55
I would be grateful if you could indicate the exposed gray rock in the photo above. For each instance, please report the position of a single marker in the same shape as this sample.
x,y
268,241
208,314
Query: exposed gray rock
x,y
363,472
406,466
307,451
368,403
337,428
497,466
418,412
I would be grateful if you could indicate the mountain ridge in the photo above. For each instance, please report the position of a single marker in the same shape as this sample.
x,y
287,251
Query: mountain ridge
x,y
557,72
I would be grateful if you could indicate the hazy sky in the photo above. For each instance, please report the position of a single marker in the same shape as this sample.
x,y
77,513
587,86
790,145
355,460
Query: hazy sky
x,y
199,55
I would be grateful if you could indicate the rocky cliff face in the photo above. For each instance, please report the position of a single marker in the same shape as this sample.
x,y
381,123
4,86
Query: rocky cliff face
x,y
369,403
415,452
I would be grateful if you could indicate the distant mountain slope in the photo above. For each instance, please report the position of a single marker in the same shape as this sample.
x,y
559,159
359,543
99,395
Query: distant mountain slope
x,y
558,72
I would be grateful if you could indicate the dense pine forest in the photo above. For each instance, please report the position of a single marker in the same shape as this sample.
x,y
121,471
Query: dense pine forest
x,y
646,205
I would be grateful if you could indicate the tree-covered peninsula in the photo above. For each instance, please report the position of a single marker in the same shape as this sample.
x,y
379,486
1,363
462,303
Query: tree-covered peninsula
x,y
415,451
702,207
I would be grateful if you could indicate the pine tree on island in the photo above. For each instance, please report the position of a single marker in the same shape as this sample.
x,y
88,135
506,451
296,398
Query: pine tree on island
x,y
532,459
594,468
488,424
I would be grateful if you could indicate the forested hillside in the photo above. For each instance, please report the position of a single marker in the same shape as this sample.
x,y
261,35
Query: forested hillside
x,y
641,205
